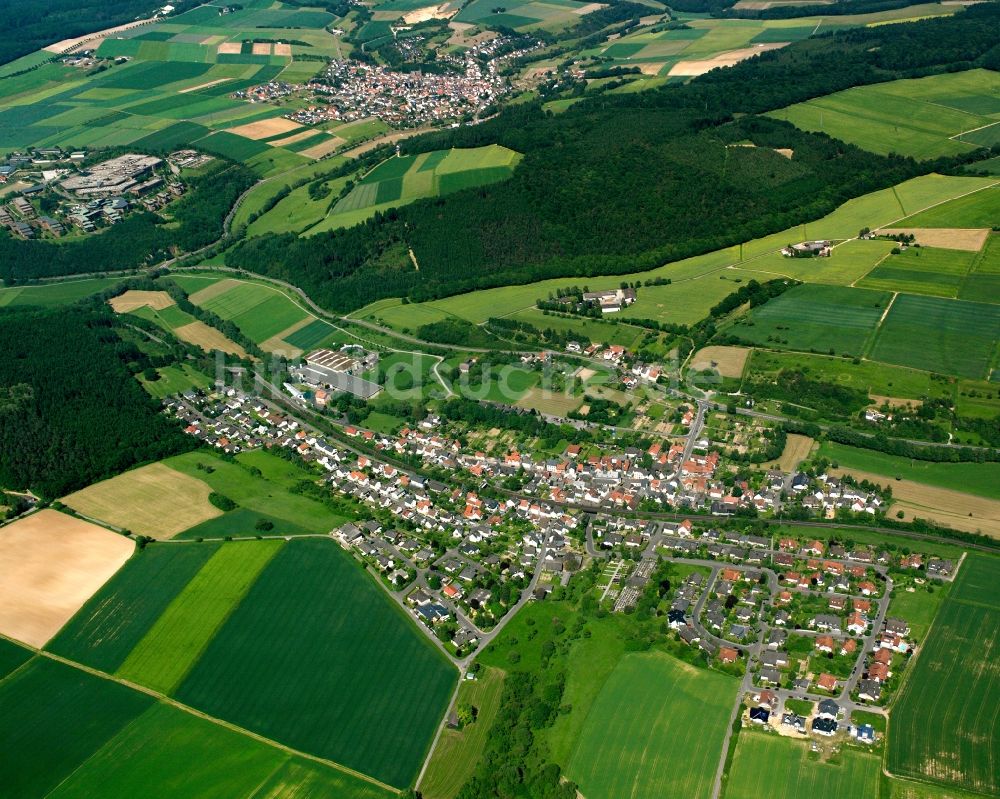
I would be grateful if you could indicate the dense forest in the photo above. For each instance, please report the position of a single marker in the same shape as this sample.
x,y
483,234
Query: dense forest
x,y
29,25
621,183
195,220
71,412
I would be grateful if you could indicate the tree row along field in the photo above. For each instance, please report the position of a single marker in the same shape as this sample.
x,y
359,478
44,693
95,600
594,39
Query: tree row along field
x,y
289,640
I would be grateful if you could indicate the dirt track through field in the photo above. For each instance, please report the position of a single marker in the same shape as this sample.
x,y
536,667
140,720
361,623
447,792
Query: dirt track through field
x,y
51,565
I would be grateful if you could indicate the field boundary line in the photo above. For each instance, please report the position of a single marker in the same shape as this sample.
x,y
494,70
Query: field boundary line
x,y
972,130
214,720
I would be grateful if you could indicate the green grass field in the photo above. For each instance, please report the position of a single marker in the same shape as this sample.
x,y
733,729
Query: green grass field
x,y
12,657
922,118
655,729
782,768
56,293
954,683
923,270
117,618
976,210
268,496
458,751
52,718
813,317
397,181
918,608
956,337
983,283
982,479
317,657
874,378
259,311
174,380
174,643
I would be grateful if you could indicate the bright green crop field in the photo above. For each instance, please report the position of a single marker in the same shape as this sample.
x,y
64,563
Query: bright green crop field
x,y
979,209
115,620
317,657
56,293
781,768
954,682
922,270
173,644
655,729
12,657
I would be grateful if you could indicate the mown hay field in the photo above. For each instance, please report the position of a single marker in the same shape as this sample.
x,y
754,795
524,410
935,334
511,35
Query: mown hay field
x,y
154,500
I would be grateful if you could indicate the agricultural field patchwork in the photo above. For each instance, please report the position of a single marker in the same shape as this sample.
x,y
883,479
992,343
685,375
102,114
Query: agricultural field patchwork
x,y
921,270
954,682
655,729
924,118
52,564
403,179
778,767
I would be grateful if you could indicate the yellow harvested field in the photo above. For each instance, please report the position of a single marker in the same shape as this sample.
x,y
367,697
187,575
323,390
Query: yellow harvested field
x,y
283,48
691,69
265,128
299,136
583,10
208,338
213,290
203,85
51,565
131,300
797,449
651,67
941,505
229,48
153,500
261,48
324,147
727,361
947,238
895,402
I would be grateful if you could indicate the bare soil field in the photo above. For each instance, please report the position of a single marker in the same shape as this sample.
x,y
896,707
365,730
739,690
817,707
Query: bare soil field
x,y
153,500
895,402
429,12
261,48
797,449
265,128
691,69
948,238
51,565
324,147
208,338
727,361
66,45
283,48
588,8
229,48
944,506
131,300
651,67
204,85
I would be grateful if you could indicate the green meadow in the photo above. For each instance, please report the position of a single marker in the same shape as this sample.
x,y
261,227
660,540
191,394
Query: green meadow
x,y
924,118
